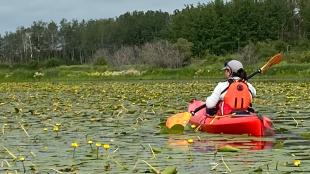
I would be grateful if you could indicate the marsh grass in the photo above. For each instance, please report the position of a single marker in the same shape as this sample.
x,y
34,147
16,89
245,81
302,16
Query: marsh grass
x,y
283,71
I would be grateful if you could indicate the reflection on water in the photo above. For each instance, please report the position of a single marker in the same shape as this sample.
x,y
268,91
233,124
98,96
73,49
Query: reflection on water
x,y
213,145
126,116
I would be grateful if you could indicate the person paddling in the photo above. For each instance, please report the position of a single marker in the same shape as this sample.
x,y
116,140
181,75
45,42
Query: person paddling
x,y
229,97
235,94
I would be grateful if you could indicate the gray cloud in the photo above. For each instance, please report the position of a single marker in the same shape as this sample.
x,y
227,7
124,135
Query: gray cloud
x,y
15,13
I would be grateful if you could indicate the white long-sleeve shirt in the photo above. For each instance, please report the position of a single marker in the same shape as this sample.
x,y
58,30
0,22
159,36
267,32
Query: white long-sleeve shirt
x,y
216,95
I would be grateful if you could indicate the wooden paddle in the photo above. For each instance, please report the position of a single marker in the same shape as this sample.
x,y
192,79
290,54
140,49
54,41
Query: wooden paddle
x,y
272,61
184,117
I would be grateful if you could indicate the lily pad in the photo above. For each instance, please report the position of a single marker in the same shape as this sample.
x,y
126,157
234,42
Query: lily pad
x,y
282,130
176,129
305,135
228,148
258,170
279,144
156,150
170,170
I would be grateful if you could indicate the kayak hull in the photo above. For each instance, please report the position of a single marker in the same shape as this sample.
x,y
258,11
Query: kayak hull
x,y
251,124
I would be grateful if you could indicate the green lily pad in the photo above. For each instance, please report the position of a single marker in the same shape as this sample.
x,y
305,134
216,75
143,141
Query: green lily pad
x,y
164,130
156,150
305,135
279,144
162,124
17,110
176,129
282,130
258,170
188,127
131,111
170,170
228,148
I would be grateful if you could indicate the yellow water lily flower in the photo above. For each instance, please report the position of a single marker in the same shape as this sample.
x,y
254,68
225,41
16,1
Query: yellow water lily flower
x,y
21,158
90,142
297,163
106,146
98,144
55,128
74,145
45,129
190,141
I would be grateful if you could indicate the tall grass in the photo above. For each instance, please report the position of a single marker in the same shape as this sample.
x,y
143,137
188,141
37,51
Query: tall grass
x,y
206,68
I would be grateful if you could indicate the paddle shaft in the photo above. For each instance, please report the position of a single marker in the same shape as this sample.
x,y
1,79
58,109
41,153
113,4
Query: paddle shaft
x,y
254,73
198,109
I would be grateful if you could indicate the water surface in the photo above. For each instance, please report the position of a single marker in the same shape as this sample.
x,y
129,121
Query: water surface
x,y
126,116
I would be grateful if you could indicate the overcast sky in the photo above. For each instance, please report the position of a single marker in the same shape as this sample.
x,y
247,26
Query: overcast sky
x,y
15,13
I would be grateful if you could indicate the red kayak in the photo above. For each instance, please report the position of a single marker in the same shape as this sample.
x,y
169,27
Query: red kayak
x,y
243,123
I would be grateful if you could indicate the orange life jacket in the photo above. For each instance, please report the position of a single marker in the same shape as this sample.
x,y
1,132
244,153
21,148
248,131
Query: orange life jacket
x,y
238,95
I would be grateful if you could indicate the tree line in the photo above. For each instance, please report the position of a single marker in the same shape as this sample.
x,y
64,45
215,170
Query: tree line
x,y
158,38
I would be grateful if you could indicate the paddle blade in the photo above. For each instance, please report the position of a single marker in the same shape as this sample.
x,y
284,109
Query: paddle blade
x,y
180,118
272,61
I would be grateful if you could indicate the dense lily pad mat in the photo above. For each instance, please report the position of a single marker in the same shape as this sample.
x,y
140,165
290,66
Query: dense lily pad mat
x,y
96,127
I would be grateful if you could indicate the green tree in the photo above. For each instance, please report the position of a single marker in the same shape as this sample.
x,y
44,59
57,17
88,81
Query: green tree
x,y
139,27
305,16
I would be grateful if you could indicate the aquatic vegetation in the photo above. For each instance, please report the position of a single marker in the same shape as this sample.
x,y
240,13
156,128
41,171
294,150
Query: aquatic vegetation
x,y
98,145
74,146
114,126
90,142
297,163
228,148
190,140
106,146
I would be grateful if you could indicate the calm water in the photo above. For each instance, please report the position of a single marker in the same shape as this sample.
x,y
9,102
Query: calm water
x,y
126,116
